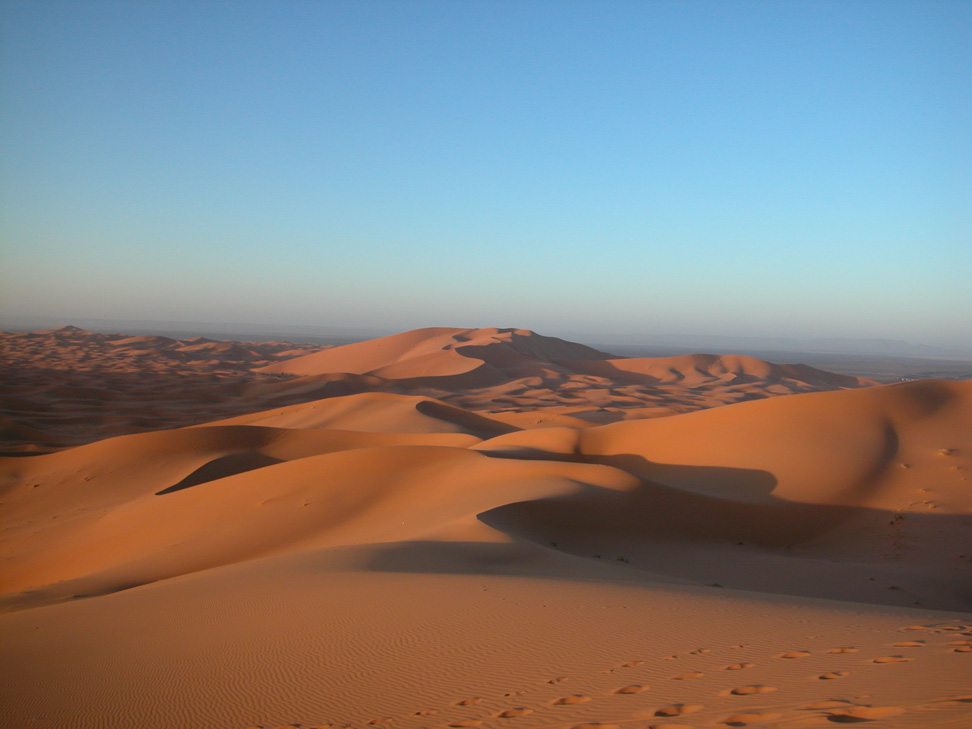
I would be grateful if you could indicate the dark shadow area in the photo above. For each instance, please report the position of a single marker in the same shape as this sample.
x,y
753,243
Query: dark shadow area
x,y
550,548
758,542
222,467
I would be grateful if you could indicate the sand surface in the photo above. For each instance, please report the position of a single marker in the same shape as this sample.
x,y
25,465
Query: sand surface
x,y
492,528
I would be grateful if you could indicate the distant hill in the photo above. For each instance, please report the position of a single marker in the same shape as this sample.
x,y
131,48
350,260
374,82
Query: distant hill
x,y
481,357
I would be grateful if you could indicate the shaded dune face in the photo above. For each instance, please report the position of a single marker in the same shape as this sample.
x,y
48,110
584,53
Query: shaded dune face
x,y
221,467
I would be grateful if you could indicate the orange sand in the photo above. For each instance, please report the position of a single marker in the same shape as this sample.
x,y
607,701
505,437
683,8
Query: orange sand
x,y
476,528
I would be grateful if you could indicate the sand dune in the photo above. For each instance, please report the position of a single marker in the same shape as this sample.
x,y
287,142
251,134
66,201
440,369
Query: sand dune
x,y
748,475
341,543
454,351
700,368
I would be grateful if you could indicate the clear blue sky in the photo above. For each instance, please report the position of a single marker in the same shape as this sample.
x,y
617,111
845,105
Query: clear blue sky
x,y
737,168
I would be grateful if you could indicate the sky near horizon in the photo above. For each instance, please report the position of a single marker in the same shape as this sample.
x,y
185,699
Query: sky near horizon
x,y
709,167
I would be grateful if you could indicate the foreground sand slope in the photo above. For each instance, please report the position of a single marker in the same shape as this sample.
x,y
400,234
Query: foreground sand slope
x,y
486,634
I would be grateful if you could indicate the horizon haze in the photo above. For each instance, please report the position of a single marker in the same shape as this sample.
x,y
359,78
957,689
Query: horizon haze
x,y
608,170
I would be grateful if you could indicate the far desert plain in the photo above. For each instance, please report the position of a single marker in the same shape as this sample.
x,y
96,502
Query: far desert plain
x,y
475,528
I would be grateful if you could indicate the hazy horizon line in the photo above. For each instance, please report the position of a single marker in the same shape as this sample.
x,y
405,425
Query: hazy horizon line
x,y
232,329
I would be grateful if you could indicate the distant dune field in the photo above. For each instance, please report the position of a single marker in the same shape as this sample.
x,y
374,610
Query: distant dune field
x,y
476,527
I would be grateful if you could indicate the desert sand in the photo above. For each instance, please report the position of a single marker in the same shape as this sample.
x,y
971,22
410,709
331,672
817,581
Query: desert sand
x,y
486,527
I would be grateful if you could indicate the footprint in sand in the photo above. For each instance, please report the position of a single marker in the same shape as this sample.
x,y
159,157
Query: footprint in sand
x,y
738,666
677,709
559,679
908,644
890,659
847,649
633,689
794,654
683,676
469,702
514,713
954,699
669,726
597,726
465,723
864,713
833,674
750,690
425,712
572,700
698,651
749,718
826,704
962,649
382,720
632,664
